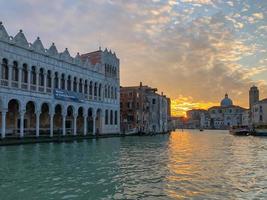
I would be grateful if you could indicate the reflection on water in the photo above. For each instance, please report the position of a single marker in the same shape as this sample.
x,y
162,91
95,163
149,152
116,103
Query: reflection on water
x,y
182,165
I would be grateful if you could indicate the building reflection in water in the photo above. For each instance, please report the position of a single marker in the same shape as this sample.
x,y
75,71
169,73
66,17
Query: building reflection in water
x,y
213,165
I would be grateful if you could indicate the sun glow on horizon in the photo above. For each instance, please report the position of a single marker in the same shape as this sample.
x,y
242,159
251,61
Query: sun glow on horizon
x,y
180,105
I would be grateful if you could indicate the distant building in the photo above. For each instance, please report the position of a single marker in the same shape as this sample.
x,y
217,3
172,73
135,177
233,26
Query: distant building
x,y
259,113
196,118
253,96
225,115
143,110
204,120
217,117
178,122
246,117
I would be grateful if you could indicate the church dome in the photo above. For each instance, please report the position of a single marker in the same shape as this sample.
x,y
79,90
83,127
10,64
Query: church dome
x,y
226,101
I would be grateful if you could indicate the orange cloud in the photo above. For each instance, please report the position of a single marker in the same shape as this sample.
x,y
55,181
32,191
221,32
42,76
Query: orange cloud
x,y
180,105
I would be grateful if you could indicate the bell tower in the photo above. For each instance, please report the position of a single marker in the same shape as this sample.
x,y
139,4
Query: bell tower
x,y
253,96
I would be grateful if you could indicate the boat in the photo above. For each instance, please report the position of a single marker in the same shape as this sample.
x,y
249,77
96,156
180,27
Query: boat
x,y
260,130
132,131
239,130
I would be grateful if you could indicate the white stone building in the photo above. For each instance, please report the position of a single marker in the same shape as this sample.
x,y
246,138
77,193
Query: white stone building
x,y
46,92
246,117
204,120
225,115
157,118
259,113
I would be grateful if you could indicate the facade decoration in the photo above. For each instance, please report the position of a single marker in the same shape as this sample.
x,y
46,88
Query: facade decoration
x,y
44,92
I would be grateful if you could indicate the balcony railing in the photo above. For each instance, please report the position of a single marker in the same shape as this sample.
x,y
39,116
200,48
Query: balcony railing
x,y
33,87
24,86
4,82
48,90
41,88
15,84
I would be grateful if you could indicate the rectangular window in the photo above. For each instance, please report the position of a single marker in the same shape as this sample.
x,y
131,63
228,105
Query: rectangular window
x,y
111,117
116,117
106,117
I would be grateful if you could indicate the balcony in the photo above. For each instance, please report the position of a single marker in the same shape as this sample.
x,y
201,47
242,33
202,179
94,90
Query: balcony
x,y
15,84
41,89
4,82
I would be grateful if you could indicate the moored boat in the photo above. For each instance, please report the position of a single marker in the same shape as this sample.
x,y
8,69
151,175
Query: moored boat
x,y
260,130
239,130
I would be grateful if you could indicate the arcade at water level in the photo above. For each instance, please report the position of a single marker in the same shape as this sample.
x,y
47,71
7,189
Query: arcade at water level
x,y
46,92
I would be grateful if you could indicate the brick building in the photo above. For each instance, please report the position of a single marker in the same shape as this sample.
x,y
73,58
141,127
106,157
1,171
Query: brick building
x,y
143,110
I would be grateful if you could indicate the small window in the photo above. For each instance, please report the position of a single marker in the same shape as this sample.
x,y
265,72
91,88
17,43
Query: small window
x,y
116,117
106,117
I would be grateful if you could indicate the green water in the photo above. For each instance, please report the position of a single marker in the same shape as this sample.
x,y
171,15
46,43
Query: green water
x,y
182,165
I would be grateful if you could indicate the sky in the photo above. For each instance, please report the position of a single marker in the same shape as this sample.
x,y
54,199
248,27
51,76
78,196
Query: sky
x,y
194,51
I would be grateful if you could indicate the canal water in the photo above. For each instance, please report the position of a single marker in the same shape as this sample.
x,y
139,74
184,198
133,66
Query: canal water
x,y
181,165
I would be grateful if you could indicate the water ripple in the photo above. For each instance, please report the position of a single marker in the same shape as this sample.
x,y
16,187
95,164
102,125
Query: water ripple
x,y
183,165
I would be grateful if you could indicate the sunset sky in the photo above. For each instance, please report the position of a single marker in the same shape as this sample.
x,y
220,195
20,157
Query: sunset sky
x,y
193,50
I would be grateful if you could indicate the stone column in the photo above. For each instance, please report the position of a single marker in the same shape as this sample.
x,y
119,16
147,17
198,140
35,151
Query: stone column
x,y
9,75
93,90
71,83
20,76
65,82
3,133
51,115
97,92
84,124
64,124
103,93
94,123
77,86
52,82
21,133
88,89
29,79
45,81
37,80
83,86
75,124
58,80
102,122
37,114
